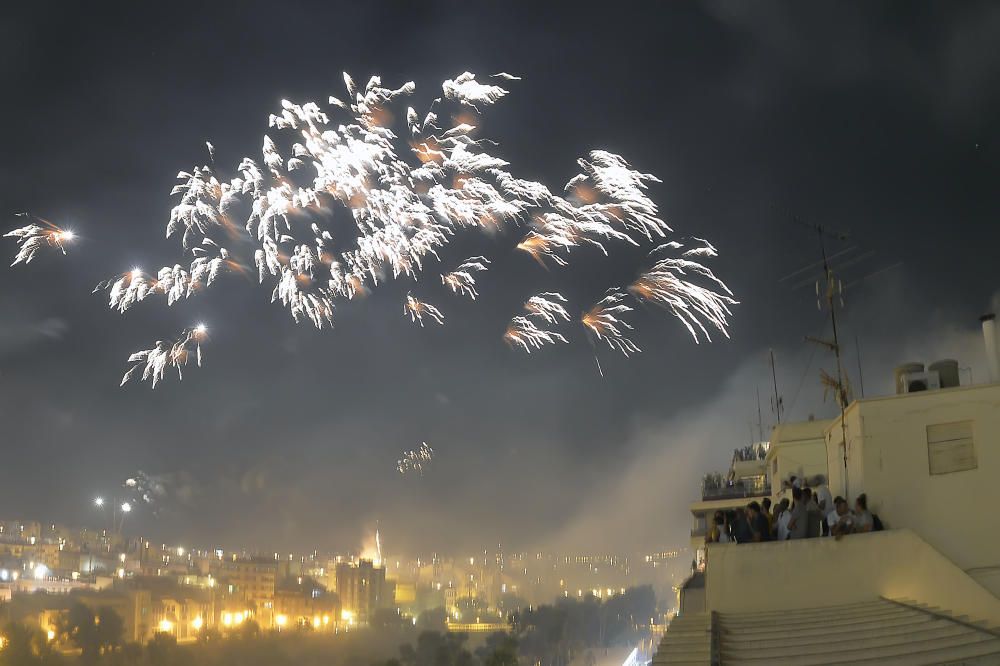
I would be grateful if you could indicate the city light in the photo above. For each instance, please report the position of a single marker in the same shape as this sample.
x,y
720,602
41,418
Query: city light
x,y
227,619
166,626
281,621
316,622
98,502
126,507
41,571
347,616
51,634
197,623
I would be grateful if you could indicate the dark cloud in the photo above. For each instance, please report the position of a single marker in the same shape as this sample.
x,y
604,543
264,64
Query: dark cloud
x,y
880,119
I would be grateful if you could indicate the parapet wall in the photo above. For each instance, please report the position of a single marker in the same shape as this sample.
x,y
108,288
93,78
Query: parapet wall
x,y
807,573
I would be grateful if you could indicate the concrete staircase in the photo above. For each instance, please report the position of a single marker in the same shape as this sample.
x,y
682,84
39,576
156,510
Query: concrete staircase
x,y
688,641
881,631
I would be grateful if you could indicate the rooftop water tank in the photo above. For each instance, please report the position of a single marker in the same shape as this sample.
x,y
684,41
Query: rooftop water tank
x,y
901,371
947,370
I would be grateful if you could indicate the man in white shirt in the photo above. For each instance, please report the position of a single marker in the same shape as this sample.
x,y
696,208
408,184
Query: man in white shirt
x,y
784,516
824,498
840,521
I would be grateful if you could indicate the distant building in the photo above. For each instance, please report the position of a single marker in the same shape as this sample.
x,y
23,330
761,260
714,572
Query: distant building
x,y
745,481
250,584
362,589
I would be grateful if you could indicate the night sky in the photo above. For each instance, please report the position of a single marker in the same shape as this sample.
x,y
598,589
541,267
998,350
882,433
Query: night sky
x,y
876,118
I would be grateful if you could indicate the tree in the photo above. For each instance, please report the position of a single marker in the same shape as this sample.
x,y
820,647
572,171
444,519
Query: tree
x,y
92,633
79,626
25,646
500,649
434,619
162,650
110,628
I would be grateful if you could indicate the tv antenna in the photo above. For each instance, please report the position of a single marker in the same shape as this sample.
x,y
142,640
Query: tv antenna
x,y
830,294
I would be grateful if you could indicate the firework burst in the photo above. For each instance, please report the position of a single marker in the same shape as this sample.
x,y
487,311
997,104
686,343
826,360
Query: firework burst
x,y
407,185
415,461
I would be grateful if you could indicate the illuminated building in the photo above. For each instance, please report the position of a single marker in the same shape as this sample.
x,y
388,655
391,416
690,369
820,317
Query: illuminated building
x,y
362,589
250,583
301,605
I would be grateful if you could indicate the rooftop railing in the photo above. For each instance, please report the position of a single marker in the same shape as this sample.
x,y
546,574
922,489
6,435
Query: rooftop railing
x,y
736,489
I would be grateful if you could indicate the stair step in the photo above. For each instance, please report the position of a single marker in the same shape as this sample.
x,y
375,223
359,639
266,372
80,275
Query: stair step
x,y
985,652
829,632
909,652
794,619
872,638
819,610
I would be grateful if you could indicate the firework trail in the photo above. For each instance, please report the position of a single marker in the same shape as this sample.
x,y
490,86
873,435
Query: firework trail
x,y
605,322
408,184
666,285
462,280
155,362
415,461
37,236
418,309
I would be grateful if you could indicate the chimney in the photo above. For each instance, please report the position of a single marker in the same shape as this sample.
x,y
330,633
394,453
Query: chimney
x,y
992,348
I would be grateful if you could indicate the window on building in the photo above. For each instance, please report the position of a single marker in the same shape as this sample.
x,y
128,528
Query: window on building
x,y
951,447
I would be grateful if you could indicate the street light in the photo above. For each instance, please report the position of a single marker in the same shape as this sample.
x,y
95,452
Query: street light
x,y
99,502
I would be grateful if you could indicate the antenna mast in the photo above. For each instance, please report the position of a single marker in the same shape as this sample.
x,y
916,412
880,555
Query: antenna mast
x,y
832,293
778,402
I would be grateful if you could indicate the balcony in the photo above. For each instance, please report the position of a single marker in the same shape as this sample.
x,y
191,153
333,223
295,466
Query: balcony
x,y
735,490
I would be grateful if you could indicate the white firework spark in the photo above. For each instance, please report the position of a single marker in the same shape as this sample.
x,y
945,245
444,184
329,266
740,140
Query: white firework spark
x,y
465,89
417,310
415,461
462,280
605,321
524,333
37,236
548,307
666,284
164,355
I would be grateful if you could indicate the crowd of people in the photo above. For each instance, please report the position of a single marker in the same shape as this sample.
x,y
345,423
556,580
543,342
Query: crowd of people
x,y
811,512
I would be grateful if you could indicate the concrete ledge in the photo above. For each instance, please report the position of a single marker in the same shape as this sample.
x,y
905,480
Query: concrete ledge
x,y
857,569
